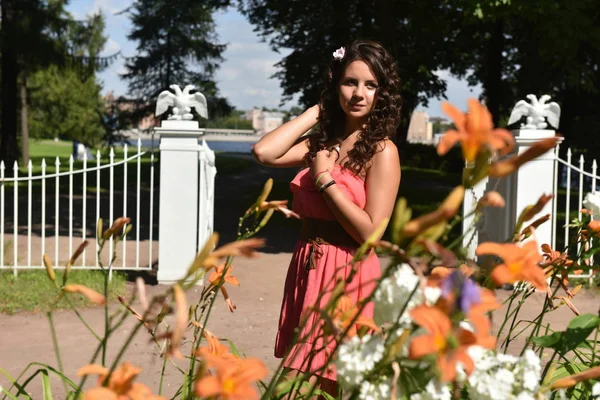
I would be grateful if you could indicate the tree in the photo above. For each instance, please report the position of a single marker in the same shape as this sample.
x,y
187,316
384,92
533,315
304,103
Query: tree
x,y
177,44
34,36
65,106
414,33
65,101
516,48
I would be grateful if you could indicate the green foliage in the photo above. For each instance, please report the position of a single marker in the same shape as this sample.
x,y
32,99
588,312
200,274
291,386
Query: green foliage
x,y
64,106
577,332
424,156
416,34
33,291
176,43
232,121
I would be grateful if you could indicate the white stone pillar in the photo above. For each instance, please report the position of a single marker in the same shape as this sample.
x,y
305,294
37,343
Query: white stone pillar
x,y
178,228
534,179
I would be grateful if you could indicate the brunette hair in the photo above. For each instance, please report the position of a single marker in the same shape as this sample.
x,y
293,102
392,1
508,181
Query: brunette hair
x,y
384,118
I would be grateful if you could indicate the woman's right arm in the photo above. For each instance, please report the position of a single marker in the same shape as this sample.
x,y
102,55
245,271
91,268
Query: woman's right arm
x,y
280,147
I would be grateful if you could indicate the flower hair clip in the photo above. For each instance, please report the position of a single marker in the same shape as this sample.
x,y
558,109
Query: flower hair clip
x,y
339,53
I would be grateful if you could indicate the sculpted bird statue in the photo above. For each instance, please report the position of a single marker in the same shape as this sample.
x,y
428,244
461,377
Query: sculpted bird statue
x,y
182,103
536,113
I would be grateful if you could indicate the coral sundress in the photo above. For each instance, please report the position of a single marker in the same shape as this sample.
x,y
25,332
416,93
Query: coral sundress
x,y
303,286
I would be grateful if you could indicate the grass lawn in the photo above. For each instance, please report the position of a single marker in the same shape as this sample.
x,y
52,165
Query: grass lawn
x,y
33,290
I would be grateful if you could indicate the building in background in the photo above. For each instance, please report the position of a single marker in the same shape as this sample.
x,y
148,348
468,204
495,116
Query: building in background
x,y
420,129
125,105
265,121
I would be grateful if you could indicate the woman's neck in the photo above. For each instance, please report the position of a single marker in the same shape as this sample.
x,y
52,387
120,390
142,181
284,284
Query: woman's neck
x,y
352,127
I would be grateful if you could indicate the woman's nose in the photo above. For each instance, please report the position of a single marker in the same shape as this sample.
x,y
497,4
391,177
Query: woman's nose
x,y
359,91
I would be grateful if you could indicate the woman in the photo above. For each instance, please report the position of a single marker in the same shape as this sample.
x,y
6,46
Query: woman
x,y
348,188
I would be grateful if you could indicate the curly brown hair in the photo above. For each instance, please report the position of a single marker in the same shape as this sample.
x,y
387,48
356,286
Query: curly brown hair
x,y
382,121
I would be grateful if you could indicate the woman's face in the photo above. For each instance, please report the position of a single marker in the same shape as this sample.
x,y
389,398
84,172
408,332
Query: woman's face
x,y
357,90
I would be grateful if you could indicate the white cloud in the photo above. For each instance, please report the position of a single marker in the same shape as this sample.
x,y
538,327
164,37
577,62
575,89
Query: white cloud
x,y
244,78
110,47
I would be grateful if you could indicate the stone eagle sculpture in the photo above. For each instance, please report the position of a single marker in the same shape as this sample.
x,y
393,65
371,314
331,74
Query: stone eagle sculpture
x,y
182,103
536,113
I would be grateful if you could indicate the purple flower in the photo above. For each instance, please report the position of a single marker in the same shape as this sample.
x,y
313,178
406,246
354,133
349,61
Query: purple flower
x,y
461,291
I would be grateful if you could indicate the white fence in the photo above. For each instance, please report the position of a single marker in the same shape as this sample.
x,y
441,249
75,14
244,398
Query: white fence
x,y
549,174
582,186
55,223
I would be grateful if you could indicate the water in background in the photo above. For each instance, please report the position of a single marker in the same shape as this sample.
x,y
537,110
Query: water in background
x,y
230,147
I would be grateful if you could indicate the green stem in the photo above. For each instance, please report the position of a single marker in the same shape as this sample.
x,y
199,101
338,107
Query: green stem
x,y
106,322
122,350
595,343
512,324
82,319
57,349
506,316
547,367
162,372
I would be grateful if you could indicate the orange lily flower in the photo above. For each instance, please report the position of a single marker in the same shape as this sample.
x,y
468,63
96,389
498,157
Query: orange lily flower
x,y
447,343
510,165
345,312
447,210
474,131
214,348
233,380
594,227
491,199
530,211
477,311
120,385
91,294
520,263
570,381
554,262
217,274
278,205
480,321
244,248
116,227
530,229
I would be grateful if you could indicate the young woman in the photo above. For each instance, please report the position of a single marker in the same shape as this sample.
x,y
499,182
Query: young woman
x,y
349,186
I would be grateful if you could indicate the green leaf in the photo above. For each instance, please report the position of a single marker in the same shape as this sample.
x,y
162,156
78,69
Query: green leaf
x,y
46,389
234,349
11,396
548,340
567,369
578,331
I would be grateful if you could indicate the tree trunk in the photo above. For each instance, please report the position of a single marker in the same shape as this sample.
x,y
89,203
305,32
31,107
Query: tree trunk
x,y
24,122
492,84
9,149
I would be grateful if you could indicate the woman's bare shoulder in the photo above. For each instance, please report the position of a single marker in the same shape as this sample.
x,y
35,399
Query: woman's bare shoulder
x,y
386,152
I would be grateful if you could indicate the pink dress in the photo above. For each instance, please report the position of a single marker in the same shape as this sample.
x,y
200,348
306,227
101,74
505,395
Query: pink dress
x,y
303,288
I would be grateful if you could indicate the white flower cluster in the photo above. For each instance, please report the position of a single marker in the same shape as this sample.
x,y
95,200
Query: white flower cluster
x,y
433,391
500,376
356,357
381,390
394,294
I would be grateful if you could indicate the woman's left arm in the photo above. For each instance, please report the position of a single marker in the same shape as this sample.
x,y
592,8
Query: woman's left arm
x,y
382,183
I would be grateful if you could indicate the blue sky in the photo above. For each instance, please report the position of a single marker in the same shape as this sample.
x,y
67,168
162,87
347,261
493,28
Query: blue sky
x,y
244,75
